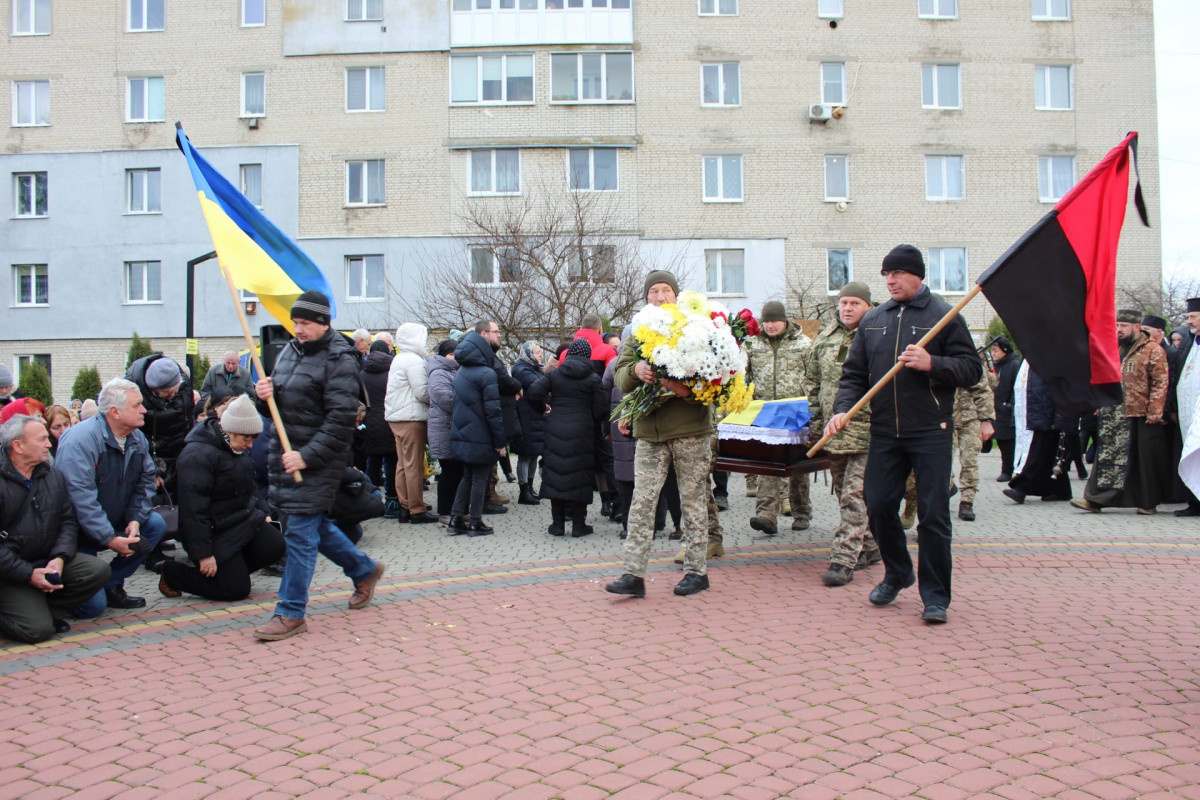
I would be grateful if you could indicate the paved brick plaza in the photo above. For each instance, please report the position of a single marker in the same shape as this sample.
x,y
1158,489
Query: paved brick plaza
x,y
499,667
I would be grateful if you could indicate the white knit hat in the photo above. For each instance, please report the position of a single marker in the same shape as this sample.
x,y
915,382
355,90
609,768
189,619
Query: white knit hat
x,y
242,417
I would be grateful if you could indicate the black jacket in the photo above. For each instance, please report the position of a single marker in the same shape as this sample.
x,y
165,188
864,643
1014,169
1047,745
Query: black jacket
x,y
915,403
378,440
576,407
317,390
509,388
36,527
476,430
1006,377
219,509
1040,414
533,425
168,422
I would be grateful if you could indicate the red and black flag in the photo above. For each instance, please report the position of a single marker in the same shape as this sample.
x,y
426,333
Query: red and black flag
x,y
1055,288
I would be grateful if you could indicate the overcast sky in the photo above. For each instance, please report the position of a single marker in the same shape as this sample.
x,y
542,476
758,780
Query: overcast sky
x,y
1177,42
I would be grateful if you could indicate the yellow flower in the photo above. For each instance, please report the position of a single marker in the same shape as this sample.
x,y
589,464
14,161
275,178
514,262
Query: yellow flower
x,y
690,302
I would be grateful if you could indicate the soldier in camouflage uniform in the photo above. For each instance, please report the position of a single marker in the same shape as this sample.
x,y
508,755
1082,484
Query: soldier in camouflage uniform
x,y
853,545
776,366
679,432
974,410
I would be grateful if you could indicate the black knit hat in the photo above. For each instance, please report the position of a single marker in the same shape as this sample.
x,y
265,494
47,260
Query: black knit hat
x,y
1003,344
580,348
312,306
380,346
904,257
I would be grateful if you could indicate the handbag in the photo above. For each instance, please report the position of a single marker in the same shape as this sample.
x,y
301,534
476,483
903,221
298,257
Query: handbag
x,y
169,513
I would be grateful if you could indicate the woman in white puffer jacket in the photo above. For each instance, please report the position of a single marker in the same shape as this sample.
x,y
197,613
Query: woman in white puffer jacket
x,y
406,409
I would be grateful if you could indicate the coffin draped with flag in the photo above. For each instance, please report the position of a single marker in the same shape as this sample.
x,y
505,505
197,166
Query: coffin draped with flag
x,y
258,256
1055,288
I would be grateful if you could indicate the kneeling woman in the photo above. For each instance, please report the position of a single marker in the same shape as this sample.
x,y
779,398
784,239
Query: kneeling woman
x,y
222,520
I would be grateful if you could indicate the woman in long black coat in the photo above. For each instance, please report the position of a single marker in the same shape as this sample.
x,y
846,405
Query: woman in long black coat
x,y
529,369
379,445
577,405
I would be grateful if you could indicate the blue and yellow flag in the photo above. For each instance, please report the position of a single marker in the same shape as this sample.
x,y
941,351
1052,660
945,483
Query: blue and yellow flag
x,y
261,258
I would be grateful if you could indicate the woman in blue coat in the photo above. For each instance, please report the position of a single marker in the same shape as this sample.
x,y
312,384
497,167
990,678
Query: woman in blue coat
x,y
476,431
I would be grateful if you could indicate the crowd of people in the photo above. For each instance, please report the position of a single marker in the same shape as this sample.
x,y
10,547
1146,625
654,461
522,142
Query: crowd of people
x,y
370,423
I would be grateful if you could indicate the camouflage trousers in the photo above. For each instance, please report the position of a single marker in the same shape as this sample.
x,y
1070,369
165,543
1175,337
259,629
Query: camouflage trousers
x,y
852,537
966,442
692,457
770,497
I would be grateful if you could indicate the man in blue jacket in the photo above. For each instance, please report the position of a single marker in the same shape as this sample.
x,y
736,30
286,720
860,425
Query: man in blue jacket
x,y
912,424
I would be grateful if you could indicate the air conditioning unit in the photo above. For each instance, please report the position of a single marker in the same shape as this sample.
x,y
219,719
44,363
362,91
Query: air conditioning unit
x,y
820,112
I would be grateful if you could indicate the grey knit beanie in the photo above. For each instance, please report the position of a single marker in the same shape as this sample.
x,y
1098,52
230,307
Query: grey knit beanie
x,y
242,417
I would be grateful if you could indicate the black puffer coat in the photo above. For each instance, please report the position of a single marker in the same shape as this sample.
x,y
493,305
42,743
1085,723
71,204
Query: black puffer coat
x,y
576,407
38,530
317,391
509,388
1040,414
533,423
623,447
1006,378
219,509
476,430
168,422
378,440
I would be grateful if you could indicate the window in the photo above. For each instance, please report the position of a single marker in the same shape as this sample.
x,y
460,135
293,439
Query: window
x,y
364,277
1056,176
947,269
30,103
940,86
144,190
144,100
491,79
591,77
30,191
364,10
147,15
143,281
254,13
491,266
1052,88
364,183
937,9
495,172
725,271
251,180
592,170
943,177
837,177
721,84
254,94
722,179
23,362
830,9
833,83
839,269
31,17
594,263
32,285
364,89
718,8
1051,9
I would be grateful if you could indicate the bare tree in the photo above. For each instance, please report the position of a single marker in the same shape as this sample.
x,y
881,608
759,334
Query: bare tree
x,y
807,298
1169,299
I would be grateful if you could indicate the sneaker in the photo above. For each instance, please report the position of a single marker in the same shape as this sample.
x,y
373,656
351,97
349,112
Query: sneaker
x,y
765,525
280,628
363,592
837,575
691,584
627,584
392,509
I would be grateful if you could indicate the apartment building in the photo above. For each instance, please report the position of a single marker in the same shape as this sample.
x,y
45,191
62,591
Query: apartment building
x,y
762,149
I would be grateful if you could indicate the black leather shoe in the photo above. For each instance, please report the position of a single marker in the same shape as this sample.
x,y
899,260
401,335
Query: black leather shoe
x,y
480,529
691,584
1189,511
555,529
886,592
934,615
457,526
424,518
1016,495
1003,477
118,599
628,584
606,508
494,508
403,515
61,626
578,530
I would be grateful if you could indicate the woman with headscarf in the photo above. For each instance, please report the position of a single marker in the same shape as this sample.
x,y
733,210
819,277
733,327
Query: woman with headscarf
x,y
528,370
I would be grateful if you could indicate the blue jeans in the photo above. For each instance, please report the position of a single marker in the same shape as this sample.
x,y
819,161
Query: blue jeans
x,y
122,566
306,535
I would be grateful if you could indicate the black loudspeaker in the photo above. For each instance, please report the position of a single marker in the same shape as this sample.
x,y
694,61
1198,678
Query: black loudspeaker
x,y
273,338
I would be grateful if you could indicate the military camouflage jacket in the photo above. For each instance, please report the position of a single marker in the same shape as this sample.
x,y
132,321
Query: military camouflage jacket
x,y
975,403
1144,376
777,366
824,372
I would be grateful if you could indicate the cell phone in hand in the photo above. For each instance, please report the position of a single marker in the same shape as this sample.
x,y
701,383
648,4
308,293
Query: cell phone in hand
x,y
53,578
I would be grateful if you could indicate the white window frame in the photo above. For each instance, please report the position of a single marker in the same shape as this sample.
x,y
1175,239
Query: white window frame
x,y
840,68
33,178
364,9
39,17
22,360
30,273
591,169
1046,193
368,96
143,177
1042,80
145,267
504,79
512,256
935,71
261,6
604,78
715,257
38,117
945,164
1043,11
721,69
938,11
830,289
718,8
359,294
591,254
719,164
243,183
831,9
246,112
147,92
936,267
831,160
144,6
366,171
492,191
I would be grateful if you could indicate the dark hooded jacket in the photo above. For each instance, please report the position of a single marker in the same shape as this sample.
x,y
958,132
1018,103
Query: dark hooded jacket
x,y
38,527
168,422
533,424
1040,414
476,428
1006,377
576,407
378,440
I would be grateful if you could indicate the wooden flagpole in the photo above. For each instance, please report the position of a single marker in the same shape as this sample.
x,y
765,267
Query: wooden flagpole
x,y
899,365
258,365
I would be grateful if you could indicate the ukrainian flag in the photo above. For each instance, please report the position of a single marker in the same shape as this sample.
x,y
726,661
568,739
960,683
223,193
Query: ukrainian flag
x,y
260,257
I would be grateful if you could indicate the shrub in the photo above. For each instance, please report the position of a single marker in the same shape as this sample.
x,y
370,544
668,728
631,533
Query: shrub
x,y
87,384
